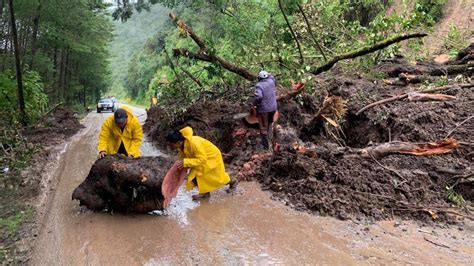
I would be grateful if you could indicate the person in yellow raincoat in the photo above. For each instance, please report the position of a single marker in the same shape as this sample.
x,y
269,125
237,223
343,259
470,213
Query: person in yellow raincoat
x,y
121,133
207,170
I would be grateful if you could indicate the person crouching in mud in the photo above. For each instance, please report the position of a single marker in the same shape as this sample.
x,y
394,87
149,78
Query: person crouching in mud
x,y
204,159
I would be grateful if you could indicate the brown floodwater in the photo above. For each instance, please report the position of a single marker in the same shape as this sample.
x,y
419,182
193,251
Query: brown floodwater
x,y
246,227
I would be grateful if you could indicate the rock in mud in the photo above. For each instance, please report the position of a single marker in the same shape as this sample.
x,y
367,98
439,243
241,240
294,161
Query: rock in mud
x,y
124,184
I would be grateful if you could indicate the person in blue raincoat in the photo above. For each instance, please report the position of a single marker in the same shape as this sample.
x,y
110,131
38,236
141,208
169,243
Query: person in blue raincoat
x,y
265,103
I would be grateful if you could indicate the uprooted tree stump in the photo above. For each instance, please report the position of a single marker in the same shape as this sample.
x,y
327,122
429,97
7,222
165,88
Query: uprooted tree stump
x,y
124,184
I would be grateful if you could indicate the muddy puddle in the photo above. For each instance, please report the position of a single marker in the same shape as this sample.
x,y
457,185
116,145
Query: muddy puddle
x,y
245,228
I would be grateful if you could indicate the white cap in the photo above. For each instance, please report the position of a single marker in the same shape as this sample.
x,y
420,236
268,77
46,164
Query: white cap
x,y
263,74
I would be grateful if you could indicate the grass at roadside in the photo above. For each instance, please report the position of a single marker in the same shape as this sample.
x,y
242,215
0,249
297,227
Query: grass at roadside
x,y
15,157
13,214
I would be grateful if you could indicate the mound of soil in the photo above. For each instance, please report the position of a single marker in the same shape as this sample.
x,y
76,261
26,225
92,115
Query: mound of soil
x,y
315,171
59,124
210,119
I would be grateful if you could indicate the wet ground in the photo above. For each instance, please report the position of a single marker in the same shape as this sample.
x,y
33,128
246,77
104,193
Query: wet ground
x,y
245,228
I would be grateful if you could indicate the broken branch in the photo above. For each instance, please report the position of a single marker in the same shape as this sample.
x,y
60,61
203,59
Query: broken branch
x,y
432,148
416,96
458,125
405,95
205,54
437,244
297,89
391,99
366,50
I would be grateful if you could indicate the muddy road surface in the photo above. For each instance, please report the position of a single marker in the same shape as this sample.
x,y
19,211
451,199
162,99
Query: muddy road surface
x,y
245,228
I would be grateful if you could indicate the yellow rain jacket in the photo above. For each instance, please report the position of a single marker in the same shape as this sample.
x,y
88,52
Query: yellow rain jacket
x,y
205,161
110,135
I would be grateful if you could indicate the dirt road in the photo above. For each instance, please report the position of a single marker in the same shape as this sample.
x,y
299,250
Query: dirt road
x,y
245,228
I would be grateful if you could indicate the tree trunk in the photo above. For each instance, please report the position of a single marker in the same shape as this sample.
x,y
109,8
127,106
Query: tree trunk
x,y
21,99
6,44
216,60
124,184
62,73
67,77
2,4
35,35
84,95
55,90
23,37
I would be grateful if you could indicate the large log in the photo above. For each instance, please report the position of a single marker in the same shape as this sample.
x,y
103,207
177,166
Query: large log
x,y
124,184
420,149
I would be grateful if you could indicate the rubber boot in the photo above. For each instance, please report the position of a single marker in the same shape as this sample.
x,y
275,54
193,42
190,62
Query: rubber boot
x,y
232,184
201,196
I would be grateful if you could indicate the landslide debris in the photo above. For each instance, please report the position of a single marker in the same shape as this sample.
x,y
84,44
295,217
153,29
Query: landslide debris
x,y
319,171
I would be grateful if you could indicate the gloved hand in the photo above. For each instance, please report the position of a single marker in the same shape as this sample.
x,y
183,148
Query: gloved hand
x,y
102,154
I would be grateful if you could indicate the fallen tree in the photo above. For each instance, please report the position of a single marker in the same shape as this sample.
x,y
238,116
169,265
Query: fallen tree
x,y
206,54
313,171
124,184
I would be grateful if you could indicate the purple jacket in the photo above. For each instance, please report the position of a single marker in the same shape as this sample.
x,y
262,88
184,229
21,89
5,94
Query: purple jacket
x,y
265,98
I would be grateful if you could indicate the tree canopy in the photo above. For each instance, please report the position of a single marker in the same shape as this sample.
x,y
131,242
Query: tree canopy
x,y
73,51
62,49
292,39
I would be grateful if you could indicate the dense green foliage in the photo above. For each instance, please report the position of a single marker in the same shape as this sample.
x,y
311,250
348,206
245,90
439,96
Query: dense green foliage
x,y
130,37
433,8
62,51
255,35
67,54
63,58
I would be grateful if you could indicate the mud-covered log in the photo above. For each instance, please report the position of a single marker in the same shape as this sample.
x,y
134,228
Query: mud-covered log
x,y
124,184
420,149
398,67
415,79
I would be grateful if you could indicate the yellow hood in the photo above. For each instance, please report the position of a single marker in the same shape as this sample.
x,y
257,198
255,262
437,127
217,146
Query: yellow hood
x,y
187,132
